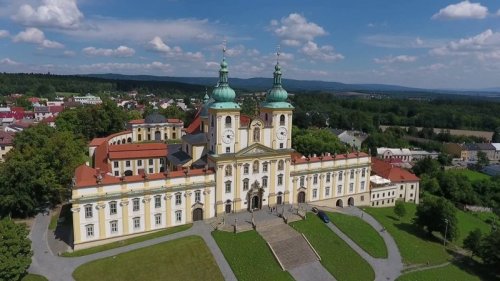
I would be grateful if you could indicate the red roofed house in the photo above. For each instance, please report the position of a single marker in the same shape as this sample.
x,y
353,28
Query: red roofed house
x,y
6,143
407,184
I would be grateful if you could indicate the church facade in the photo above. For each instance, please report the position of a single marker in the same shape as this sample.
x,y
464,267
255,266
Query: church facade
x,y
227,162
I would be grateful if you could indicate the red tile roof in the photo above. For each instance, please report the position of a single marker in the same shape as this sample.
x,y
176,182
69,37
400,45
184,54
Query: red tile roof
x,y
97,141
245,120
56,108
136,121
194,126
297,157
86,176
6,138
392,173
134,151
174,120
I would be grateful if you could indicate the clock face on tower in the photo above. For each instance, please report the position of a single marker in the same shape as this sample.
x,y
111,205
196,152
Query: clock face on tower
x,y
281,133
228,136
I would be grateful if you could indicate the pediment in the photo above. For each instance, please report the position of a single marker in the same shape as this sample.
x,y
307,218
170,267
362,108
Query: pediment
x,y
256,149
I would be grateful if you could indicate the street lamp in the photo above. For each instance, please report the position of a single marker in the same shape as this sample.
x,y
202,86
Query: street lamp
x,y
445,231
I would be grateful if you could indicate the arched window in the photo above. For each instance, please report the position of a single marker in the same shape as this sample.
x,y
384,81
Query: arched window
x,y
211,121
282,120
255,166
229,170
266,117
256,135
281,165
228,121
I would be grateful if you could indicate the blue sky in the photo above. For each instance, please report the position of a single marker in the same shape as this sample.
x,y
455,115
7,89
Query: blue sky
x,y
425,43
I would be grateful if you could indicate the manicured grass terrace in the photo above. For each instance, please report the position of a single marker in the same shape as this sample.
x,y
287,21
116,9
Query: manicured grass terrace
x,y
361,233
336,256
186,258
249,256
126,242
34,277
415,245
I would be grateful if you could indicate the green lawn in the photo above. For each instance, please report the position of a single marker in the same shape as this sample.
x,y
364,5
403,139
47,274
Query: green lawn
x,y
472,175
126,242
415,245
34,277
360,232
467,222
186,258
447,273
53,221
249,256
336,256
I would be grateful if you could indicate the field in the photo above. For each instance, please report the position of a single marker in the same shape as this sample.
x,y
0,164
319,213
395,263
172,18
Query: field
x,y
183,259
126,242
361,233
336,256
415,245
467,222
447,273
249,256
472,175
34,277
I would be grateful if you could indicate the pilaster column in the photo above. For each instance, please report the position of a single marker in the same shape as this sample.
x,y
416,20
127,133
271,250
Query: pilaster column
x,y
272,183
168,198
100,214
124,205
147,212
189,217
206,205
294,180
309,187
237,134
219,172
237,186
321,187
76,223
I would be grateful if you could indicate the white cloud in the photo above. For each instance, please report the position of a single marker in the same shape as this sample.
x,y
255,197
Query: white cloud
x,y
143,30
52,13
125,67
8,61
176,52
481,45
462,10
4,33
433,67
121,51
295,29
395,59
68,53
36,36
400,41
325,53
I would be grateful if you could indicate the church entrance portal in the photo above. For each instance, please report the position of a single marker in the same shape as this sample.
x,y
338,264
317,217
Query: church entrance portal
x,y
157,135
350,201
228,208
198,214
279,200
301,198
256,202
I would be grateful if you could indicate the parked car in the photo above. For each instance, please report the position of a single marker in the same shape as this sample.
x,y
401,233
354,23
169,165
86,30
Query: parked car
x,y
314,210
322,215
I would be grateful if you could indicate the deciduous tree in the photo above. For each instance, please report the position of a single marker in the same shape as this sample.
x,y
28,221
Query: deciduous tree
x,y
15,250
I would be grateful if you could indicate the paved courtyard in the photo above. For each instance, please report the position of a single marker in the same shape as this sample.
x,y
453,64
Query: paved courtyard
x,y
292,250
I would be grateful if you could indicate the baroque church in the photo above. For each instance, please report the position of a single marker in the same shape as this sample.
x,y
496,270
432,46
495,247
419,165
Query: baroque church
x,y
225,162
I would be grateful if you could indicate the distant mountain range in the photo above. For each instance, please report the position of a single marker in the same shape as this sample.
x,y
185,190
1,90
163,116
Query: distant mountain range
x,y
262,84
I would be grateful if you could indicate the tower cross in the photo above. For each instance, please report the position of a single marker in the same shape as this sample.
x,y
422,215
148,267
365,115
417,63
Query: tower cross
x,y
278,53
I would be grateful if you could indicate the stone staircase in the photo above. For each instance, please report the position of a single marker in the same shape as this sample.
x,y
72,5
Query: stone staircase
x,y
290,247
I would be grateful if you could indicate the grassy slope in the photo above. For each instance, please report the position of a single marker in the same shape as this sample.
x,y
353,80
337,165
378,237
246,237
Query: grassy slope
x,y
126,242
467,222
447,273
362,233
336,256
249,256
34,277
182,259
472,175
416,246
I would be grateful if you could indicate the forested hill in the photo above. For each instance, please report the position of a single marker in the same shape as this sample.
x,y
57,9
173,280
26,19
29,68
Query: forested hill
x,y
43,85
262,84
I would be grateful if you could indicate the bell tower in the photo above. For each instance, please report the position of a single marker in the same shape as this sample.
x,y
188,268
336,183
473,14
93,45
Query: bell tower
x,y
276,111
223,115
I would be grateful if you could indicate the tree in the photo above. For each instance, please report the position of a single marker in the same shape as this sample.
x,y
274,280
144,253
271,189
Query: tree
x,y
496,135
473,241
437,214
316,141
399,209
445,159
490,249
248,106
427,166
482,160
15,250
